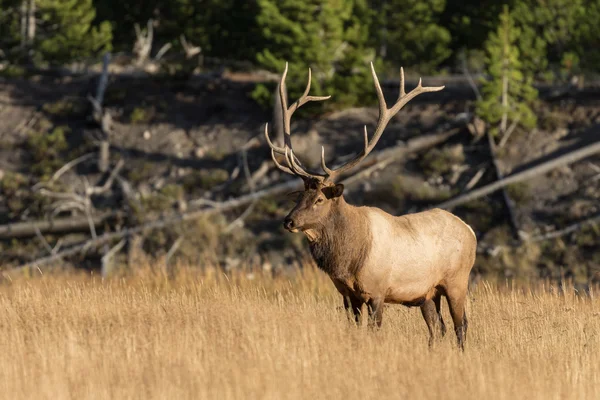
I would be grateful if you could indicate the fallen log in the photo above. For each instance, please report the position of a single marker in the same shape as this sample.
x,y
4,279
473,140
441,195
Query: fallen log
x,y
542,168
55,225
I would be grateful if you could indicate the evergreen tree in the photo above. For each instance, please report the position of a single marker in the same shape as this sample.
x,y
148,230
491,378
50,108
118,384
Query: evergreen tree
x,y
66,31
9,27
470,22
408,33
586,41
330,36
55,31
548,32
508,92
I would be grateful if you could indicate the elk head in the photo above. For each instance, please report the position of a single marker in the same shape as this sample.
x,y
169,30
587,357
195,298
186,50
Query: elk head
x,y
321,193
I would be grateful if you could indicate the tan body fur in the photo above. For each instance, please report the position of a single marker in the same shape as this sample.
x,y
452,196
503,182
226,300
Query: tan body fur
x,y
411,260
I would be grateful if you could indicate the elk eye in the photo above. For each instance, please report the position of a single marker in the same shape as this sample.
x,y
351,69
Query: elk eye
x,y
319,200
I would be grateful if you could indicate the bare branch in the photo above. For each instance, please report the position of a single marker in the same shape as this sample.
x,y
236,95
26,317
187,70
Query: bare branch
x,y
469,77
95,190
567,230
189,49
476,178
163,50
64,169
509,131
239,220
173,250
43,240
107,258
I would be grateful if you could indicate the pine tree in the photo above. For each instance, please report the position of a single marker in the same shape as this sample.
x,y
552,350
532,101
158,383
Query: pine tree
x,y
587,40
329,36
548,32
66,31
408,33
508,91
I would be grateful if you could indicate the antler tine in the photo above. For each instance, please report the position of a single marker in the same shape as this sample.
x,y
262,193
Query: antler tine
x,y
402,92
294,166
276,149
385,115
278,165
297,169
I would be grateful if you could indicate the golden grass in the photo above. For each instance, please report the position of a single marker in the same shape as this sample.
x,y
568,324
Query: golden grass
x,y
211,337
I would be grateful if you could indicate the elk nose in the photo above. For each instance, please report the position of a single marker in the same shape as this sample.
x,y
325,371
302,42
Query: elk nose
x,y
288,224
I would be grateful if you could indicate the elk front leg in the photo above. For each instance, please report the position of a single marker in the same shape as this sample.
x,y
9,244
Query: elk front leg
x,y
433,320
437,299
353,308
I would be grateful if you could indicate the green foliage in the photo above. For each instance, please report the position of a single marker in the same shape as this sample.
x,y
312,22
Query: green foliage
x,y
46,149
330,36
64,108
160,201
262,94
205,179
508,91
470,22
440,161
519,192
13,71
67,32
548,29
11,182
409,33
140,115
586,41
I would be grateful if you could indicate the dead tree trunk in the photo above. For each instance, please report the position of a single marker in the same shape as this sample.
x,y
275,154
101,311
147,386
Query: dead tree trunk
x,y
508,203
143,43
102,117
27,27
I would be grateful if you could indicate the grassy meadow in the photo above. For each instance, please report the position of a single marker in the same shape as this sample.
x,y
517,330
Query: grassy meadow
x,y
208,336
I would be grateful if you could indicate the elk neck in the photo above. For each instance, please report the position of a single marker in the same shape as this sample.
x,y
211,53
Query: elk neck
x,y
340,245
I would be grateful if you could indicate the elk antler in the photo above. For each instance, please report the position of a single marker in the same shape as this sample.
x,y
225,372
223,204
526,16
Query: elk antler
x,y
385,115
294,167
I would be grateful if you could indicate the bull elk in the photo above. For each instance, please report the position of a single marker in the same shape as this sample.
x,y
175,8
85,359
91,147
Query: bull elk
x,y
373,257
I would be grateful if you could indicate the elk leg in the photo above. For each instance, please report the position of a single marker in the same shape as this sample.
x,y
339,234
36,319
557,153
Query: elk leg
x,y
431,317
437,299
356,305
350,311
456,301
375,312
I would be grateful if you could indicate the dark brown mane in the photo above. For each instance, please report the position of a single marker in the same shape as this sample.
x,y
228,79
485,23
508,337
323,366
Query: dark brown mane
x,y
344,241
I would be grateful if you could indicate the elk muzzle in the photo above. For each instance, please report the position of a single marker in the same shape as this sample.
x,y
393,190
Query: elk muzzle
x,y
291,224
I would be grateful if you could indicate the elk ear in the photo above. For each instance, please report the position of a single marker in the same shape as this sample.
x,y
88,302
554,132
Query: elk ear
x,y
333,191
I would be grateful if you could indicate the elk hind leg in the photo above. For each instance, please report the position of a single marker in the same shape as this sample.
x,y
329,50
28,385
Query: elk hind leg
x,y
456,303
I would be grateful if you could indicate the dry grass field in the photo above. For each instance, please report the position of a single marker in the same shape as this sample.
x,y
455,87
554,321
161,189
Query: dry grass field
x,y
239,337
